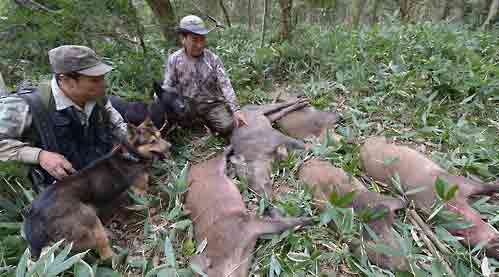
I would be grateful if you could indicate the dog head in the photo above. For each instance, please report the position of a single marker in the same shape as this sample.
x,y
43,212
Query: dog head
x,y
171,101
146,140
136,113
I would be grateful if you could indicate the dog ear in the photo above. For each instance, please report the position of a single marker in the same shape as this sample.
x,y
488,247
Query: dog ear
x,y
131,133
158,90
147,123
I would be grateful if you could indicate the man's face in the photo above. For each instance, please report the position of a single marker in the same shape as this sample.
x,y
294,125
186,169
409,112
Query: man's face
x,y
194,44
85,88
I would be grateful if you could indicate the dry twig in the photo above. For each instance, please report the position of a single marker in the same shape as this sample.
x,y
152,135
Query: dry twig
x,y
425,233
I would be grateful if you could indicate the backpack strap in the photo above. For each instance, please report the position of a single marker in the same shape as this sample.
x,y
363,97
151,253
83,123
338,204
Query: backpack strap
x,y
42,122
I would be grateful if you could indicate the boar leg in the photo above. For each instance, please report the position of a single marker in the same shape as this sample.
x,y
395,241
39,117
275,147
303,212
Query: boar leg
x,y
290,143
282,113
272,108
369,199
492,248
468,187
202,261
273,225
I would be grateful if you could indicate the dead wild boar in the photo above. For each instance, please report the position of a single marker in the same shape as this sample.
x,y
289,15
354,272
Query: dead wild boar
x,y
220,216
323,178
382,160
67,209
257,145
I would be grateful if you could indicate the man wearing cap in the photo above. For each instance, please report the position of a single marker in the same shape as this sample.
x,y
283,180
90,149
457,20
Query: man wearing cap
x,y
199,76
63,124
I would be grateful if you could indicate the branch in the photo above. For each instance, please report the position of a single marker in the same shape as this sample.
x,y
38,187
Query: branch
x,y
425,233
492,12
35,6
118,36
428,231
217,23
3,87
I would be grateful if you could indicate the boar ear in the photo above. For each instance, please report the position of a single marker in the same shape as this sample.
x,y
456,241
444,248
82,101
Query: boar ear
x,y
237,159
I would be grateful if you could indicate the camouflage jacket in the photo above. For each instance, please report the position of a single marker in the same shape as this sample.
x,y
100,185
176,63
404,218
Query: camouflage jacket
x,y
16,119
189,75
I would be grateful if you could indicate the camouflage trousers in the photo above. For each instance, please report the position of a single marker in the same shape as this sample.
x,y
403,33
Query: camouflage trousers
x,y
214,113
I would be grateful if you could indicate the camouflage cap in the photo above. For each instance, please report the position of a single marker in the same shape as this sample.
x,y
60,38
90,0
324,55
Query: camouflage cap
x,y
76,58
192,24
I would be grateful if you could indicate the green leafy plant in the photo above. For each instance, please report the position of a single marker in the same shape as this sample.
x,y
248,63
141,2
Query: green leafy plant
x,y
50,264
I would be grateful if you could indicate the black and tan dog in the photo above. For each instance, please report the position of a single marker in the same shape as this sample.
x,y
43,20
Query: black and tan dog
x,y
67,209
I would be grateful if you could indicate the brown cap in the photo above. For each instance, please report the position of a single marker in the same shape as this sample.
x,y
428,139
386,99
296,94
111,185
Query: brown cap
x,y
76,58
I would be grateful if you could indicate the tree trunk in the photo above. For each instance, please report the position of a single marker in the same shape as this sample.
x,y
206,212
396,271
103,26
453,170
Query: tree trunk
x,y
456,11
164,13
492,12
438,9
3,87
369,13
139,28
250,15
342,12
415,10
404,10
286,6
226,14
264,20
211,7
357,6
33,5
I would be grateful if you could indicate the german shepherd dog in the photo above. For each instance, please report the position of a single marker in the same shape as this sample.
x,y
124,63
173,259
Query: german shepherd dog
x,y
67,209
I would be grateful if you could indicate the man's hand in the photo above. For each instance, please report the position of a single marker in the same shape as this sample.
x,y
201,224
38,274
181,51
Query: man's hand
x,y
55,164
240,119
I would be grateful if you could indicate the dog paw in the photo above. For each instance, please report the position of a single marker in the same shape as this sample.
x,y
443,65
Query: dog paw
x,y
107,261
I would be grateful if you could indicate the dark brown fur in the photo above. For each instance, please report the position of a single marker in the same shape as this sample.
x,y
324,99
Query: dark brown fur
x,y
323,178
220,216
416,171
67,209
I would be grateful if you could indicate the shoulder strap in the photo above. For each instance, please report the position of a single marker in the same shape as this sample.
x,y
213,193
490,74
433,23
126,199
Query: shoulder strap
x,y
39,106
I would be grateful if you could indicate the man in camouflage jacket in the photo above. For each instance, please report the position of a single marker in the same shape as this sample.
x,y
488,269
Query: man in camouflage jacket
x,y
82,120
199,76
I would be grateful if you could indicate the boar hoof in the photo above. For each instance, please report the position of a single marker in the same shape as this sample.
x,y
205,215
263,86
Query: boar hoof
x,y
493,248
201,261
275,213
